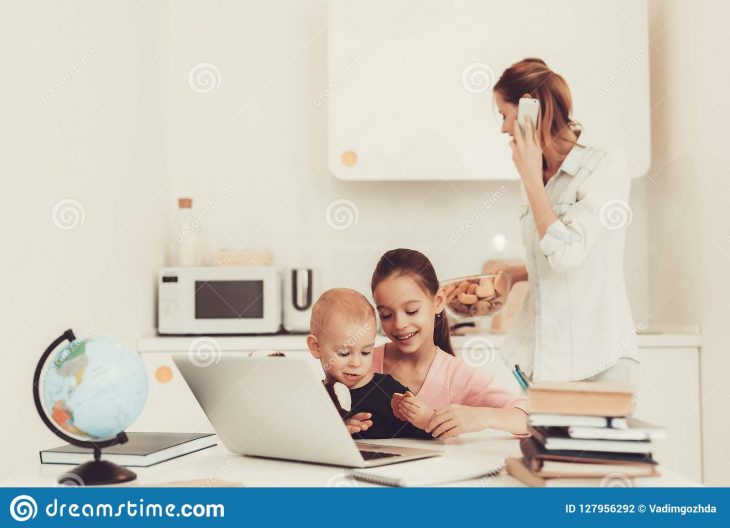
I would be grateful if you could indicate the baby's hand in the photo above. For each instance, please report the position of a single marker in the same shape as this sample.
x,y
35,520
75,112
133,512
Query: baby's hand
x,y
359,422
395,405
415,411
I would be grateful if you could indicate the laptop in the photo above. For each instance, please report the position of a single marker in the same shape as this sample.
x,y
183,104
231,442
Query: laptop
x,y
277,407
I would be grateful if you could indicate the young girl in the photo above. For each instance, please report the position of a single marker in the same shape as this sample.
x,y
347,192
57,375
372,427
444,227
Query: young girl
x,y
449,397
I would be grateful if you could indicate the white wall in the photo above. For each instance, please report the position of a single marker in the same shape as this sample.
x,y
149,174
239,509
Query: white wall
x,y
260,141
689,199
82,119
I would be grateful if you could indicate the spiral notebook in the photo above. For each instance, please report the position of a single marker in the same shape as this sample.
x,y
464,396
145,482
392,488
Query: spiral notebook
x,y
430,472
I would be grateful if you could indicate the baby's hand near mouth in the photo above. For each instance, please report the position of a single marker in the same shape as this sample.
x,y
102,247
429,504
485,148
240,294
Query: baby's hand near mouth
x,y
414,410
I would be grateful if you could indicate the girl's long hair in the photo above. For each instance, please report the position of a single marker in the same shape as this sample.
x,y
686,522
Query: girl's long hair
x,y
532,76
416,265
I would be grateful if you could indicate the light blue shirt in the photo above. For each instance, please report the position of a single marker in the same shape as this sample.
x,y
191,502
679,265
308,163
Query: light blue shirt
x,y
576,321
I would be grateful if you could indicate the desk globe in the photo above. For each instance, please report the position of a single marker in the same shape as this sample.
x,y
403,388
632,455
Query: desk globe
x,y
88,394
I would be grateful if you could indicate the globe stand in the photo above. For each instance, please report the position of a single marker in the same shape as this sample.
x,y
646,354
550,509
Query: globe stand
x,y
93,473
97,472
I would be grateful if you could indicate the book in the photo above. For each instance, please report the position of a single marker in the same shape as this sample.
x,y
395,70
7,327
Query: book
x,y
430,471
554,469
576,477
557,438
581,397
536,455
575,420
636,430
516,467
142,449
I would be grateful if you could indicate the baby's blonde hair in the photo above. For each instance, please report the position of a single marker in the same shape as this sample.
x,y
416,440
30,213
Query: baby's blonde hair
x,y
349,303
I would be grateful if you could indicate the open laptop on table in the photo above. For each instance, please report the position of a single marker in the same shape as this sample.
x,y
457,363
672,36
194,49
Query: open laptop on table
x,y
278,408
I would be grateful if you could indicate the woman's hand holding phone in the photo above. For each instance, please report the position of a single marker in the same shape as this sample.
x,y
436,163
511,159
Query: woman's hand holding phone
x,y
526,152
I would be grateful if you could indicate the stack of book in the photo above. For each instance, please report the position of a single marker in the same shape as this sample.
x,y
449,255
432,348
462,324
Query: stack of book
x,y
584,430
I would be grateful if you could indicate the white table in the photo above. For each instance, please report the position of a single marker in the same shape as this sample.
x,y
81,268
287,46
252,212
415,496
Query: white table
x,y
216,464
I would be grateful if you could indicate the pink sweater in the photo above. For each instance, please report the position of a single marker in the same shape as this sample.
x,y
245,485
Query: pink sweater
x,y
450,380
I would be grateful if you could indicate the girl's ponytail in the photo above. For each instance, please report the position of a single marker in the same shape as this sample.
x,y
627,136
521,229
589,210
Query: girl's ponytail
x,y
415,264
442,334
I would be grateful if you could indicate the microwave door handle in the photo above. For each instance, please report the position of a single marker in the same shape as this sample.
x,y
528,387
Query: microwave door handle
x,y
295,291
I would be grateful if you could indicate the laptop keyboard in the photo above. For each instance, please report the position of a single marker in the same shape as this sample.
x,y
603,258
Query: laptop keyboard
x,y
373,455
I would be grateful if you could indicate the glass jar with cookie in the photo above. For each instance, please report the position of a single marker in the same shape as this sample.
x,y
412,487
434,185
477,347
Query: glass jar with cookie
x,y
476,296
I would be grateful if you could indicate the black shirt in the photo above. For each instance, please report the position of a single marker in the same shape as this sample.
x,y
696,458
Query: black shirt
x,y
374,398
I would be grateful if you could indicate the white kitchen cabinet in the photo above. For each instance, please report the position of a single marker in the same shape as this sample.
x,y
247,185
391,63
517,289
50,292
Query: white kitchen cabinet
x,y
669,395
410,83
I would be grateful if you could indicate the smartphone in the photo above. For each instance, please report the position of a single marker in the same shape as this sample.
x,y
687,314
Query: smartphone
x,y
528,108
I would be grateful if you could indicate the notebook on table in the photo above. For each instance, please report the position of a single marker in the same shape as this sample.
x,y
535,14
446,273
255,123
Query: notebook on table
x,y
430,472
142,449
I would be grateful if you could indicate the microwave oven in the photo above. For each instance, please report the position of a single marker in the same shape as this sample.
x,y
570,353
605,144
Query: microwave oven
x,y
218,300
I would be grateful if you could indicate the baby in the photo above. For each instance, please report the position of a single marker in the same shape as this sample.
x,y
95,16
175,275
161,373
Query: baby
x,y
342,337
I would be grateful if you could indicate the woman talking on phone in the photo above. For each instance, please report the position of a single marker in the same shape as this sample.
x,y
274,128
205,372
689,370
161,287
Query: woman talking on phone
x,y
575,323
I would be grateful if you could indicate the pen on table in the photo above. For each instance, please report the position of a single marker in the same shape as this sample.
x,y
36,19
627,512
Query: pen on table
x,y
521,378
